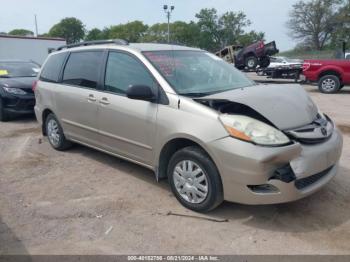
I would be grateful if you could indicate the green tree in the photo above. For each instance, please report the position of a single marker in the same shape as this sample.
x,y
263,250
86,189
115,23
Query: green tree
x,y
21,32
208,22
71,29
342,29
180,33
312,22
185,33
231,27
250,37
132,31
157,33
95,34
219,31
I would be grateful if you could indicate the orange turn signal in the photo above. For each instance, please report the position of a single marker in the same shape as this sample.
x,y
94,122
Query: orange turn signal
x,y
238,134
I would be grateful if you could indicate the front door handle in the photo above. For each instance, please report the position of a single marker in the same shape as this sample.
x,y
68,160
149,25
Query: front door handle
x,y
92,98
104,101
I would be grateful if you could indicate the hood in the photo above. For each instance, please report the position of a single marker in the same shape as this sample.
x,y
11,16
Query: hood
x,y
18,82
286,106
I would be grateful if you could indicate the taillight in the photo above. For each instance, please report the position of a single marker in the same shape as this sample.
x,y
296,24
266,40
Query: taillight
x,y
260,45
306,66
34,85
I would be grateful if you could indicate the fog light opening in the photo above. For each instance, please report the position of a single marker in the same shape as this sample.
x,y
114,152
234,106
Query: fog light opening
x,y
264,189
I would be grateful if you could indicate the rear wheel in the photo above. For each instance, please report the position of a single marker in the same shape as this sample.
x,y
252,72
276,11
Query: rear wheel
x,y
194,180
251,62
55,134
3,114
329,84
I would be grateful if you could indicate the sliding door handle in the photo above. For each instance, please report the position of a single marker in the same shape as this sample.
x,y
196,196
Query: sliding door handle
x,y
92,98
104,101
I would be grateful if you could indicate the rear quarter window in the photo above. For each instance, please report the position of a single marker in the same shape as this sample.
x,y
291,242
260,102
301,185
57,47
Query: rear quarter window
x,y
52,68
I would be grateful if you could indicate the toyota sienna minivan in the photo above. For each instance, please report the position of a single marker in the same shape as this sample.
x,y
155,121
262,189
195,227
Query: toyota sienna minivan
x,y
191,118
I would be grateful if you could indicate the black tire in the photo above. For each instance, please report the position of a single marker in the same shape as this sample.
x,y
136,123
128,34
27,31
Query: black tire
x,y
265,62
260,72
62,143
213,182
333,87
4,117
251,62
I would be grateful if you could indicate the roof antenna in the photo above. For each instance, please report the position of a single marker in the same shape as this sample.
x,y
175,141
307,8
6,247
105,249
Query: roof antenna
x,y
36,26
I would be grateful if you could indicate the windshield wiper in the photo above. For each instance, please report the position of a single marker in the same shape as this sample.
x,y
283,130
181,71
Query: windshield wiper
x,y
5,76
196,94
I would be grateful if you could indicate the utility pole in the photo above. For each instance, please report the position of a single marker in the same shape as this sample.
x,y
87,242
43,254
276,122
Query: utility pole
x,y
36,26
168,12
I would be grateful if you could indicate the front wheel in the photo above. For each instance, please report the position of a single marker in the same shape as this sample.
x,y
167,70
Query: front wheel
x,y
329,84
194,180
55,134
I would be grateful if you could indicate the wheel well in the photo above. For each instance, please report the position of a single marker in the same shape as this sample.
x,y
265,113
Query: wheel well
x,y
330,72
249,55
169,150
44,116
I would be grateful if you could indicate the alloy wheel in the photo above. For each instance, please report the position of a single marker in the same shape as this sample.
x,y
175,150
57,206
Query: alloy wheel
x,y
53,132
328,85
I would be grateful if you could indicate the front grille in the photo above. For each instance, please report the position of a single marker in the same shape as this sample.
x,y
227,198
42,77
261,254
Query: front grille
x,y
308,181
27,104
312,141
317,132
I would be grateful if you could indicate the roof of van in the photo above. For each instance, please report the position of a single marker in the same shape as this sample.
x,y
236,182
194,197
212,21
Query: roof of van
x,y
140,47
158,47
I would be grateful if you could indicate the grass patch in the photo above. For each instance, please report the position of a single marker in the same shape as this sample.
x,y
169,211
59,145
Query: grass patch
x,y
315,54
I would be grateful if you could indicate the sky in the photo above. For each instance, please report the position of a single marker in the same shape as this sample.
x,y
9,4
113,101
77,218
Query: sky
x,y
269,16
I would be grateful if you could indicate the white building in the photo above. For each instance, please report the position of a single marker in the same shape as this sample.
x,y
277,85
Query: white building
x,y
28,48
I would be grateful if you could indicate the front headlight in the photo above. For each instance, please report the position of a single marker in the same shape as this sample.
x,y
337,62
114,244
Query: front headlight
x,y
252,130
14,91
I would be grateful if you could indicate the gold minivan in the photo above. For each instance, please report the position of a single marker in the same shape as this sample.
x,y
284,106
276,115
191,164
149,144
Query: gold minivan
x,y
190,117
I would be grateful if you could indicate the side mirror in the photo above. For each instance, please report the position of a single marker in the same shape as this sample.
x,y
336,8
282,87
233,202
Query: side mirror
x,y
140,92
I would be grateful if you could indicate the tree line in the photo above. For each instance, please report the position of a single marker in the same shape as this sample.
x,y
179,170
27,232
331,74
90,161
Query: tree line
x,y
314,24
211,31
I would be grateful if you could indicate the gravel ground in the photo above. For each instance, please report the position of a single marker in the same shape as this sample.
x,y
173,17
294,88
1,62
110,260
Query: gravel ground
x,y
85,202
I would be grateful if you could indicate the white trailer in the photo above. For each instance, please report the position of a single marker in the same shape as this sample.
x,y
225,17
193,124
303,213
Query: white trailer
x,y
28,48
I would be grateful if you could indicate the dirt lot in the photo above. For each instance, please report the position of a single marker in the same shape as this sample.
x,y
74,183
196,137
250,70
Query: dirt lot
x,y
86,202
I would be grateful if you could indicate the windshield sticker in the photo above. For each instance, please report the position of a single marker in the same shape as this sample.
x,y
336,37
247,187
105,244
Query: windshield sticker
x,y
3,72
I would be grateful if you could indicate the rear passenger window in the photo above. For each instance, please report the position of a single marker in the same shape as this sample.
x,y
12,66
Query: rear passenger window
x,y
123,71
82,69
51,70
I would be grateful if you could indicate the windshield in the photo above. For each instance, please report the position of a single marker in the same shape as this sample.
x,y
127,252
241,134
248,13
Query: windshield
x,y
197,73
18,69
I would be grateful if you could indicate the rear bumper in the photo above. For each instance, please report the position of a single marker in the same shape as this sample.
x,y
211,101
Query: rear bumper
x,y
244,167
19,104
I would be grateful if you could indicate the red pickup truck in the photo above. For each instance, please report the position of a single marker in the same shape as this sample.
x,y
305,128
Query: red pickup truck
x,y
331,75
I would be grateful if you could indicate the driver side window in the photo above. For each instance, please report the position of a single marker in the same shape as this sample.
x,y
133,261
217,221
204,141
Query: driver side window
x,y
122,71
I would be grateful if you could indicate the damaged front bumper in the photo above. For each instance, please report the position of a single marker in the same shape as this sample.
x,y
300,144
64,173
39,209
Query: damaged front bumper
x,y
268,175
